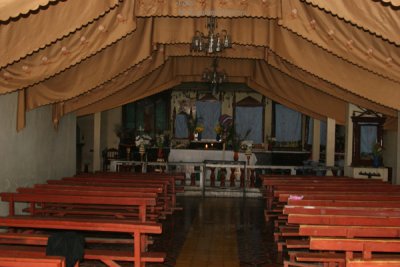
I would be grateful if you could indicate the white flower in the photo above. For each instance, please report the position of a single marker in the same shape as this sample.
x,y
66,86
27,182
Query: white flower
x,y
142,140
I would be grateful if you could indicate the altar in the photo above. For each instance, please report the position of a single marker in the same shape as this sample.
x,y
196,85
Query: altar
x,y
196,155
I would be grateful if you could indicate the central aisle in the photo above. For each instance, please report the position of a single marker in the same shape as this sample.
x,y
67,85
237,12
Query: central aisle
x,y
212,239
218,232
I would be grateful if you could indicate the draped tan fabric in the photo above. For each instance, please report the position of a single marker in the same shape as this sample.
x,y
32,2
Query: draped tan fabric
x,y
311,55
262,78
326,87
392,2
12,9
157,81
27,35
331,68
342,39
219,8
93,71
70,51
373,16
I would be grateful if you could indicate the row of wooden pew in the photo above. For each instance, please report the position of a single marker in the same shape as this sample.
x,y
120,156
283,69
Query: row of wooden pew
x,y
128,205
334,221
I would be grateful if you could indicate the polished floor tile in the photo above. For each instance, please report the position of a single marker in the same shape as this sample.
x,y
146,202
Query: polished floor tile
x,y
224,232
216,232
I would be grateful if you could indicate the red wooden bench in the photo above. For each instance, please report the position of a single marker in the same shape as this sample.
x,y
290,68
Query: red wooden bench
x,y
377,196
152,212
373,263
119,183
349,231
345,203
137,229
169,180
18,260
322,210
143,188
33,199
272,183
351,245
348,220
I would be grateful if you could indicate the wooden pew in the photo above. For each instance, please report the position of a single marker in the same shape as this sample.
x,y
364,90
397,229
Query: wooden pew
x,y
273,182
326,210
140,202
349,231
377,196
144,188
344,203
169,180
373,263
17,260
118,183
340,210
137,229
348,220
61,208
351,245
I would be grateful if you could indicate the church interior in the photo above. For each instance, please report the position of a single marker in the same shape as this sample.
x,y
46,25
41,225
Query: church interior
x,y
200,133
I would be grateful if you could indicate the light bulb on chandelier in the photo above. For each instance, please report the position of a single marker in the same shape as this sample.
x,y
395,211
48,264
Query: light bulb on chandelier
x,y
214,76
214,42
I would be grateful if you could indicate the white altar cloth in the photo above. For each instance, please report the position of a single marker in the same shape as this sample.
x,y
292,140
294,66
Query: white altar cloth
x,y
196,155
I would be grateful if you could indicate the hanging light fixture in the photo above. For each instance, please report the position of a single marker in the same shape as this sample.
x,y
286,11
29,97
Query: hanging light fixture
x,y
214,76
212,43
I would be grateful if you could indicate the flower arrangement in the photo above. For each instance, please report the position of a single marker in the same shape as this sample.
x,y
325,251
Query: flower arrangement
x,y
377,150
218,129
199,128
142,140
237,140
160,140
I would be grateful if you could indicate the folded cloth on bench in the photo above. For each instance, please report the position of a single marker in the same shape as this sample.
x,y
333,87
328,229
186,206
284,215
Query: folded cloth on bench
x,y
69,244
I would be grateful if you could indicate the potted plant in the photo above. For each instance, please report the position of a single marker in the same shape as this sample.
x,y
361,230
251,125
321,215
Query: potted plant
x,y
237,140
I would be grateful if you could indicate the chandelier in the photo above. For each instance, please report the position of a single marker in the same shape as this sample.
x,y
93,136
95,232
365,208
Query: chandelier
x,y
214,76
214,42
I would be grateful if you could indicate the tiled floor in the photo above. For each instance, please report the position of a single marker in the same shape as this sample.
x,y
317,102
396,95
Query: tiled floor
x,y
218,232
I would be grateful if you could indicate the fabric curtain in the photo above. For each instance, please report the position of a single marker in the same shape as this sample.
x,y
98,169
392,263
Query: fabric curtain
x,y
208,113
181,129
368,137
249,118
287,123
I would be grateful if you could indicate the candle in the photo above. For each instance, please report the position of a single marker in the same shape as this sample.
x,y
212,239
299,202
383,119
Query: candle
x,y
206,146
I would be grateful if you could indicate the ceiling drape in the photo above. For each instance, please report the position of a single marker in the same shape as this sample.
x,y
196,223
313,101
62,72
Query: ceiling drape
x,y
90,56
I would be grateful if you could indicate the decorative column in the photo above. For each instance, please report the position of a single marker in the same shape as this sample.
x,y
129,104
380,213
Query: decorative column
x,y
396,177
212,177
223,177
96,142
348,149
316,140
330,145
242,178
232,177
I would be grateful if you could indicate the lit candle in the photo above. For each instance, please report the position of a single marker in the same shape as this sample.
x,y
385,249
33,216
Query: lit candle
x,y
206,146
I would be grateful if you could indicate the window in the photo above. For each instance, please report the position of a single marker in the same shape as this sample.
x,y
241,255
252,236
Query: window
x,y
150,114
